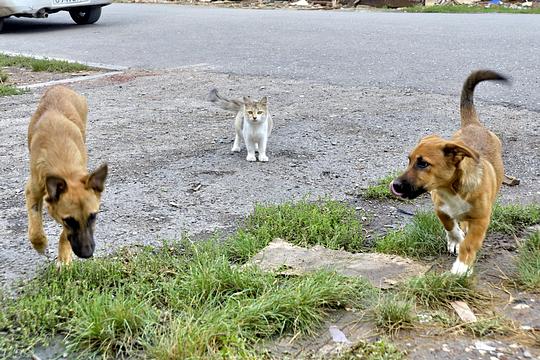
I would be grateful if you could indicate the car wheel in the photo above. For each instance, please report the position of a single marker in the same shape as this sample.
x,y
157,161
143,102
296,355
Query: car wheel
x,y
1,23
85,15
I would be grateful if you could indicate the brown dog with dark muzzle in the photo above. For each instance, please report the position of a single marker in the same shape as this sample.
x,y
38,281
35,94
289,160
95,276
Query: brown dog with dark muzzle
x,y
59,175
463,175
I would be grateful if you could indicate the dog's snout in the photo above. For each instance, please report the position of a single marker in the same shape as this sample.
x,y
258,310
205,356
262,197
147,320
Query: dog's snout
x,y
83,245
403,188
397,187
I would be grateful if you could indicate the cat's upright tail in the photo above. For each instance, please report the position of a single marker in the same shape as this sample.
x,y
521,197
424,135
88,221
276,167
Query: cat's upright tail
x,y
226,104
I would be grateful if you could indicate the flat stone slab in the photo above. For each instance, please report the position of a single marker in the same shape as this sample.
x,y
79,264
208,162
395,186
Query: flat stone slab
x,y
383,271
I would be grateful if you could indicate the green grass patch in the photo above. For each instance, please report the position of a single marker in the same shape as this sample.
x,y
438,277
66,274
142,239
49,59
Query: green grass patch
x,y
41,64
381,190
469,9
187,300
434,290
378,350
489,327
393,313
9,90
424,236
528,262
513,218
327,222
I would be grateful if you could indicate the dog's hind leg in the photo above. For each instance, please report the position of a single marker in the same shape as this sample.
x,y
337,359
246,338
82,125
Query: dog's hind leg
x,y
476,233
454,235
34,206
64,250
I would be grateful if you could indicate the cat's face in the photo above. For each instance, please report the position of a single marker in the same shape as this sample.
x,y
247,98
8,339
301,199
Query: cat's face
x,y
255,111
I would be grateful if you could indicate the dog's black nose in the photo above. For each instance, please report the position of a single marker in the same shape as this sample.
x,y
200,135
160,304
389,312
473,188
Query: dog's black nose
x,y
397,187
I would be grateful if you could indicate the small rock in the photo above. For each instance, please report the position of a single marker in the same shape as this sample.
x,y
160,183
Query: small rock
x,y
484,346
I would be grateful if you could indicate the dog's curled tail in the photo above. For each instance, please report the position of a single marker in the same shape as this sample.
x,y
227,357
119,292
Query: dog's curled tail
x,y
468,111
226,104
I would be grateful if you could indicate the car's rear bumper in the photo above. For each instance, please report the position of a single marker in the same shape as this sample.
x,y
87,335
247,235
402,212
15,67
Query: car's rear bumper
x,y
32,7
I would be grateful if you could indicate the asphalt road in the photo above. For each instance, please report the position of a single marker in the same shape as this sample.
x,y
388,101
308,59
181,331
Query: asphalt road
x,y
428,52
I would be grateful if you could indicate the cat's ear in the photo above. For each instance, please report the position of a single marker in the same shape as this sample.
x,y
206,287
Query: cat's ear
x,y
263,101
247,100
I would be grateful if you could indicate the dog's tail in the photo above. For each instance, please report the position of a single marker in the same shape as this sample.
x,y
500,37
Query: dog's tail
x,y
226,104
468,111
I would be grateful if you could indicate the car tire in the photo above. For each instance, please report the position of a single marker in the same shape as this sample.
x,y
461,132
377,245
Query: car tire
x,y
1,24
85,15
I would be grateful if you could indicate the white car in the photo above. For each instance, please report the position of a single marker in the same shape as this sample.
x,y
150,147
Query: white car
x,y
81,11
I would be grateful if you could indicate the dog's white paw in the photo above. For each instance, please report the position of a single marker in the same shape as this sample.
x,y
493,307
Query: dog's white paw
x,y
263,158
453,239
461,269
235,149
251,157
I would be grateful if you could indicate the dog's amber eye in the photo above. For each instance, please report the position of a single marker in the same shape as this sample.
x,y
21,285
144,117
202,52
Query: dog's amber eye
x,y
421,164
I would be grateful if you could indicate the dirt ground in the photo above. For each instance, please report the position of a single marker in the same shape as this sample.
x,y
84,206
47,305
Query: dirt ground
x,y
172,172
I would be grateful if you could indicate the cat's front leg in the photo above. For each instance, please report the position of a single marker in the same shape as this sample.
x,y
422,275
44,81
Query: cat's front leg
x,y
236,144
250,146
262,150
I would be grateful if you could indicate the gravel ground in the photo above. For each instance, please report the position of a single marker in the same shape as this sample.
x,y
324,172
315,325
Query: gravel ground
x,y
172,172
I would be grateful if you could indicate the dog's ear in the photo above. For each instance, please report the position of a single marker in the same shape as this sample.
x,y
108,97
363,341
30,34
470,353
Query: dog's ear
x,y
457,151
96,180
56,186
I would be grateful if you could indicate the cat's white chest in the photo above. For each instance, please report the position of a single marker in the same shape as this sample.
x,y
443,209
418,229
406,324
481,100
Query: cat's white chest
x,y
453,205
256,131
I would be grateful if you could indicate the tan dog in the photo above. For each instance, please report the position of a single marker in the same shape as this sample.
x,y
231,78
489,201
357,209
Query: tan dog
x,y
463,176
58,174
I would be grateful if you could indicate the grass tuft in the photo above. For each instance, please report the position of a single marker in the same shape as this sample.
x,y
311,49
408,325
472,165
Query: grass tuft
x,y
328,223
41,64
393,313
378,350
381,190
528,262
9,90
511,219
424,236
489,327
435,290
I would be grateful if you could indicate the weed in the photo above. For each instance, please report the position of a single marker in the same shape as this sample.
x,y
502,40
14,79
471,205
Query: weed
x,y
9,90
328,223
528,262
378,350
381,190
510,219
393,313
435,290
424,236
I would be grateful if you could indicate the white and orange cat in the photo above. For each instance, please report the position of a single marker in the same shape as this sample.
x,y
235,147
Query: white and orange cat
x,y
253,122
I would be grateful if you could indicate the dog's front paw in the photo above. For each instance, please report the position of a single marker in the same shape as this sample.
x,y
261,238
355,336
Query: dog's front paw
x,y
453,247
461,269
263,158
63,261
251,157
453,239
39,243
